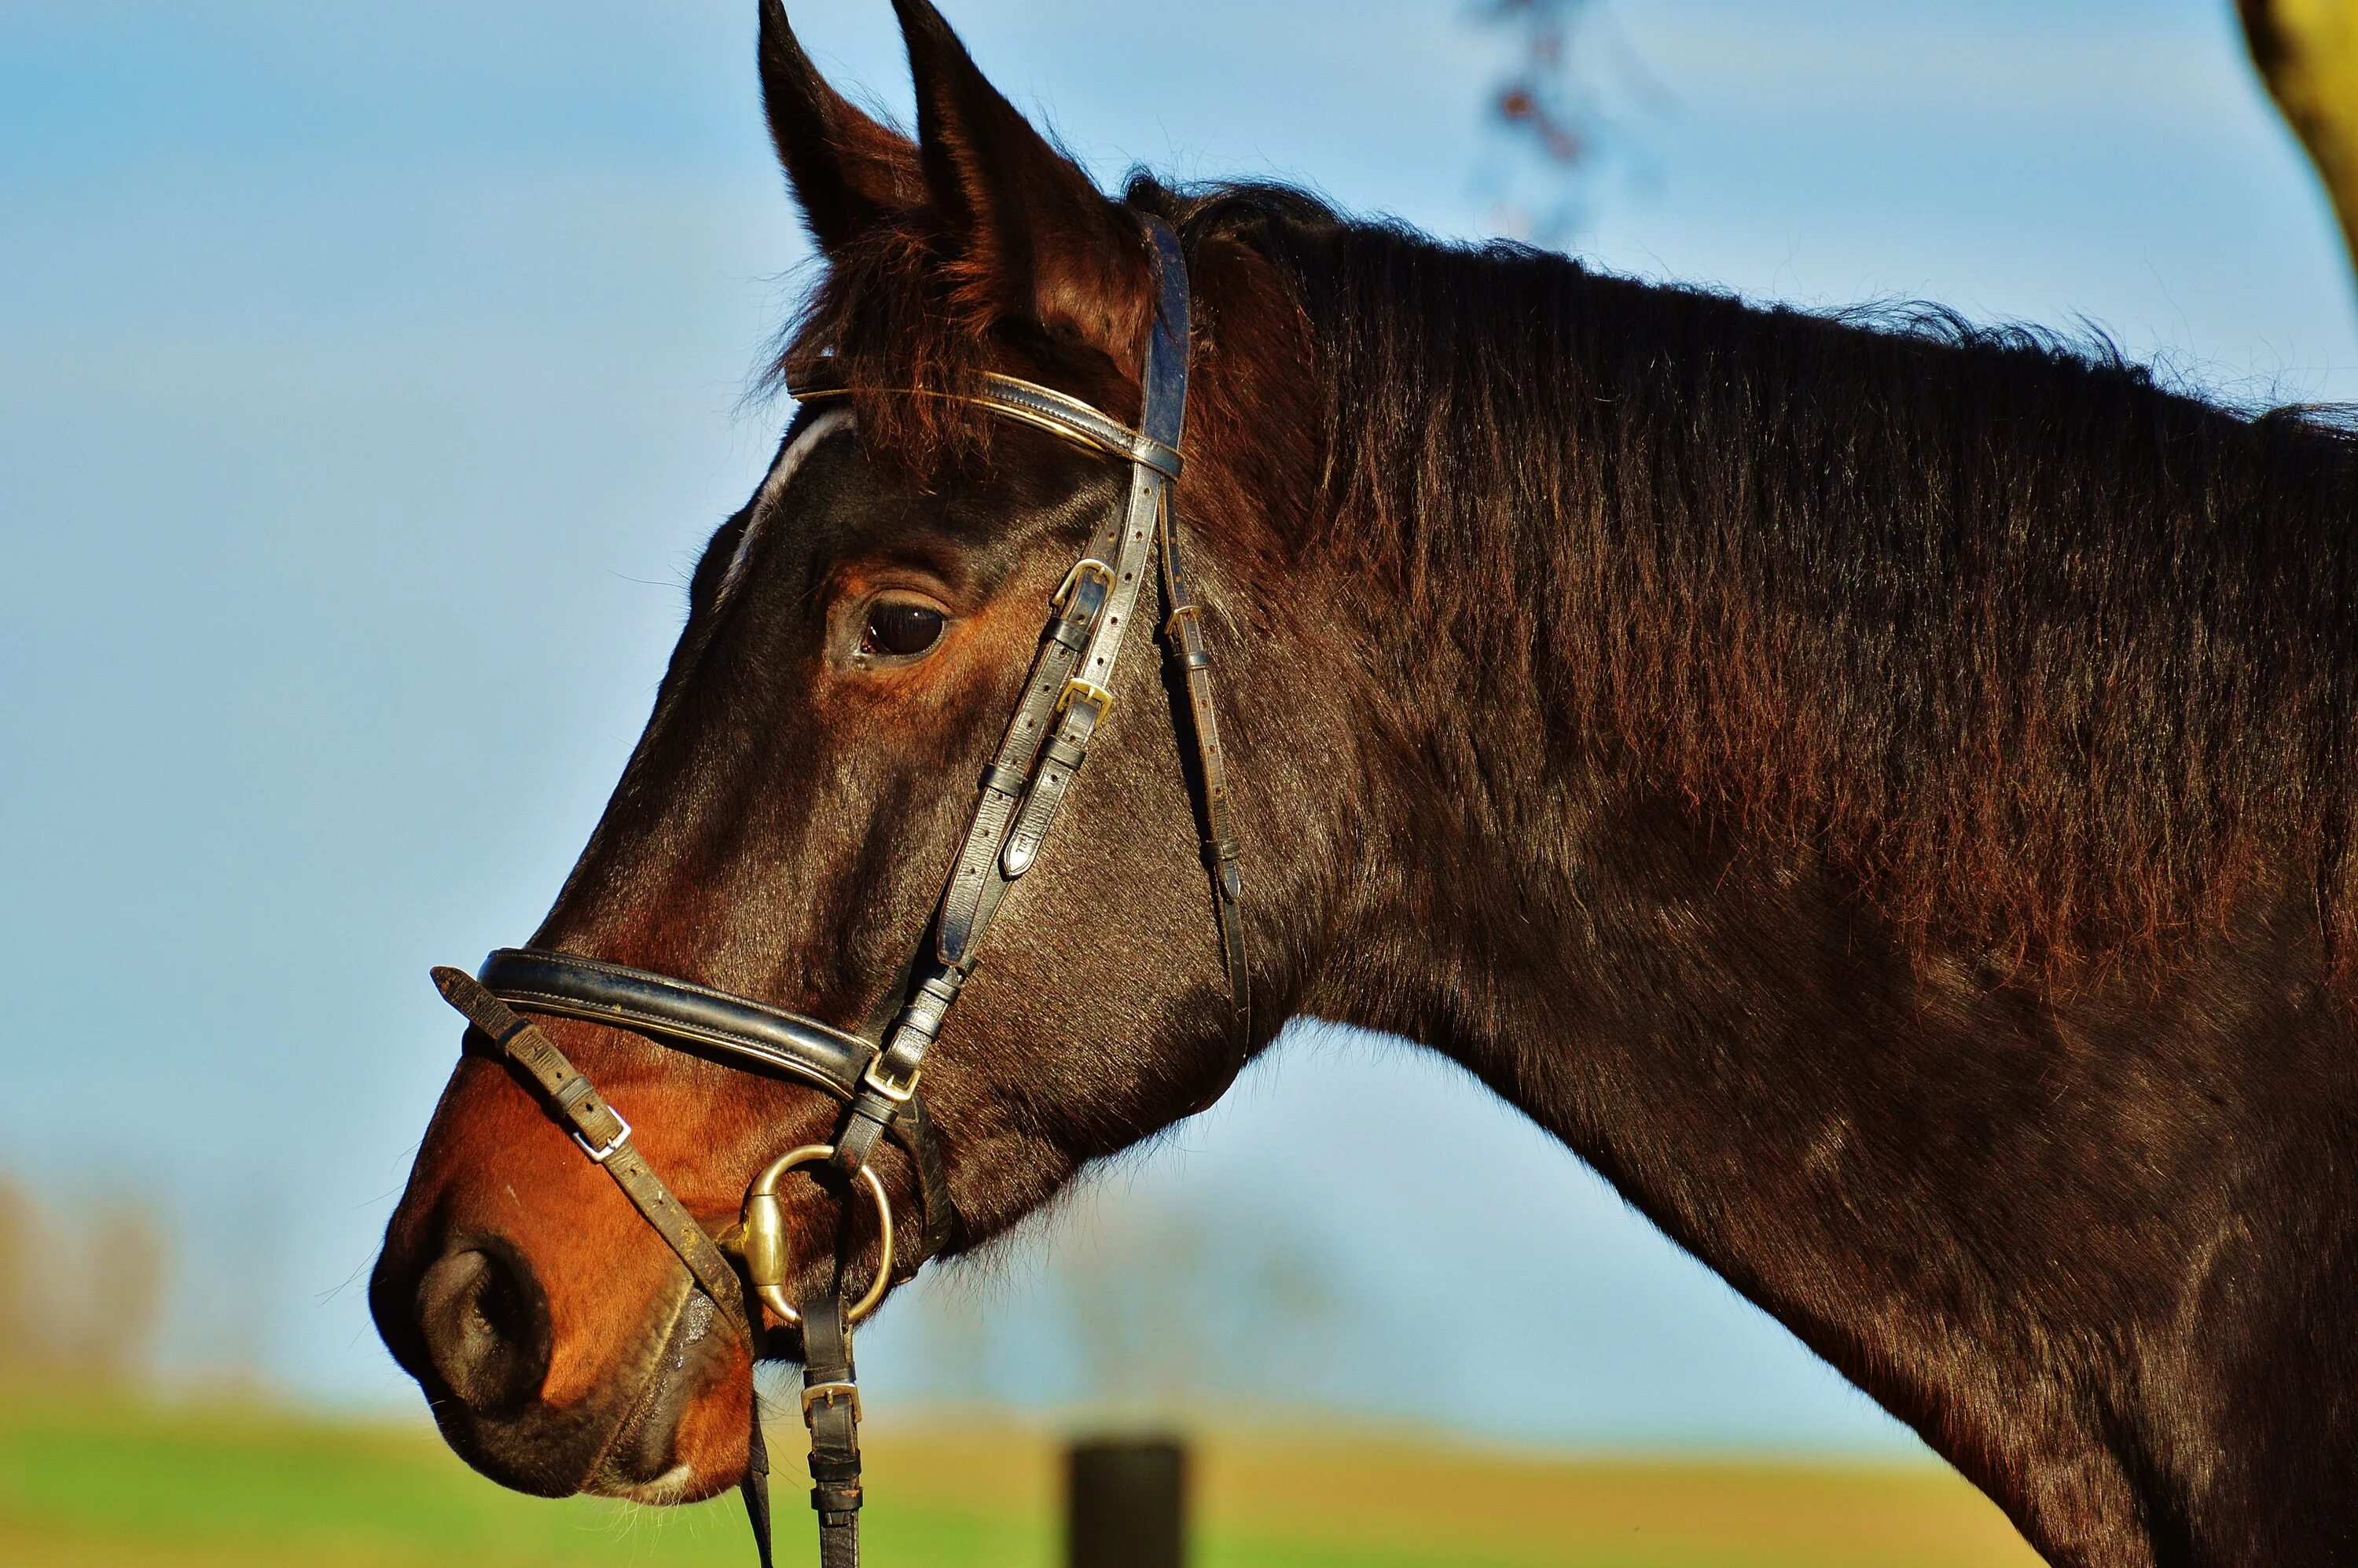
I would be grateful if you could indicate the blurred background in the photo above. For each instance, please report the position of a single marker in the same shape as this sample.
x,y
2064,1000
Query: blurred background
x,y
370,376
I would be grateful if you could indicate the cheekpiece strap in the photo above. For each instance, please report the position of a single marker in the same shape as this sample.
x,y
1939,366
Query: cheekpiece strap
x,y
1067,697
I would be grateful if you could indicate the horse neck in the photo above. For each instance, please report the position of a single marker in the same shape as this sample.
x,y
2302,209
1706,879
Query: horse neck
x,y
1635,978
1879,1144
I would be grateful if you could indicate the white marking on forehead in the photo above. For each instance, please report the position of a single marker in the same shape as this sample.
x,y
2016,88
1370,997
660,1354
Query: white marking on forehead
x,y
765,501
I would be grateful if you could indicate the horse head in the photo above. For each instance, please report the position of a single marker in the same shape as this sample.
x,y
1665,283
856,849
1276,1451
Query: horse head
x,y
857,636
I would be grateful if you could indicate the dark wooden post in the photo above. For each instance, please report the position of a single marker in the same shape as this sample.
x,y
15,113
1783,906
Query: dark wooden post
x,y
1126,1503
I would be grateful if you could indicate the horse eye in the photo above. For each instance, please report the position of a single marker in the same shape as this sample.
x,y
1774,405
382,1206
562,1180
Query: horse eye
x,y
899,629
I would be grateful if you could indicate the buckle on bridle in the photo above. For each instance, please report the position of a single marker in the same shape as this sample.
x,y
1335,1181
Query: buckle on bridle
x,y
1087,566
1079,690
600,1156
826,1394
899,1091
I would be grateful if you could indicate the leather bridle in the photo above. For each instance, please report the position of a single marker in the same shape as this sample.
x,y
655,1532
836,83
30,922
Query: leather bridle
x,y
875,1073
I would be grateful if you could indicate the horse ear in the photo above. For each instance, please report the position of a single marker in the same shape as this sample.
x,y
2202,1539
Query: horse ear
x,y
848,172
1030,239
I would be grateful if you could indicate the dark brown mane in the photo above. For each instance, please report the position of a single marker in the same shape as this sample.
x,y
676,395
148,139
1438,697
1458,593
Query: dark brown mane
x,y
2052,658
2049,656
884,321
902,310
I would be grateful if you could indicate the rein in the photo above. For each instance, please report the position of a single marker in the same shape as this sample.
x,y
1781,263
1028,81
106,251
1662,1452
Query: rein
x,y
875,1072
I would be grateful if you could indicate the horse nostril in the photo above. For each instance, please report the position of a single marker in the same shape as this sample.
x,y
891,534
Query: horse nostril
x,y
485,1323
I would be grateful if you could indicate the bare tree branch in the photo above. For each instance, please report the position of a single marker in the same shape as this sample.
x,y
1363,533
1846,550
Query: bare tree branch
x,y
1536,99
1546,108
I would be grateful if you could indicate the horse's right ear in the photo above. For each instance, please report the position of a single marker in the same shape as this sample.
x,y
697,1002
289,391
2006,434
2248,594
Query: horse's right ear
x,y
848,172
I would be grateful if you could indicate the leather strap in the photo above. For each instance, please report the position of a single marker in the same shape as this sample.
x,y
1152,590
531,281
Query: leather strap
x,y
753,1485
1001,845
604,1135
741,1033
1189,652
972,894
1042,407
891,1081
1066,701
831,1411
1077,717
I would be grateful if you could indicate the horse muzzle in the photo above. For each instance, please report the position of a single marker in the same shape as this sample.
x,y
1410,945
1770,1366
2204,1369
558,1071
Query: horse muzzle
x,y
475,1330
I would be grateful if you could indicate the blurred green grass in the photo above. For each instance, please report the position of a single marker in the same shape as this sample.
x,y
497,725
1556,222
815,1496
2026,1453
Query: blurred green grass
x,y
104,1481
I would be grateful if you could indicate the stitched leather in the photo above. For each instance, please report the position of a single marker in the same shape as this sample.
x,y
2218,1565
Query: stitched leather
x,y
1042,407
744,1033
967,902
1062,758
566,985
831,1411
516,1039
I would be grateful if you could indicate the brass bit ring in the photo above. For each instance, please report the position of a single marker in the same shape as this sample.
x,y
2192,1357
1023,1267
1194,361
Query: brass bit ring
x,y
759,1237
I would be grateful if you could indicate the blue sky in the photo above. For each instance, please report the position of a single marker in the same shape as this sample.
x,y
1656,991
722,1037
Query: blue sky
x,y
368,375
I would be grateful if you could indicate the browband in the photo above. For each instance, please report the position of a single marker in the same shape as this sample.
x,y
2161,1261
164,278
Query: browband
x,y
1029,402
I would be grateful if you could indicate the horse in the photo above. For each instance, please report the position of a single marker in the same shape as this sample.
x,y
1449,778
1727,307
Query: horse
x,y
1877,787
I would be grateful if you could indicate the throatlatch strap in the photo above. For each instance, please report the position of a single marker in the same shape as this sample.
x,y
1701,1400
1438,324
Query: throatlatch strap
x,y
1190,653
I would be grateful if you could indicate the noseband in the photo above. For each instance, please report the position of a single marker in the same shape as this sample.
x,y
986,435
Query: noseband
x,y
875,1073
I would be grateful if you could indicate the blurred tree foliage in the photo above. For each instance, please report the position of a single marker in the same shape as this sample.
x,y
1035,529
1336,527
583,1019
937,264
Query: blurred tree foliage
x,y
2307,51
82,1291
1168,1308
2308,54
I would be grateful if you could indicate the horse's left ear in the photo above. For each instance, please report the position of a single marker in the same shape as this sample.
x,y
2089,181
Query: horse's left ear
x,y
1030,239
